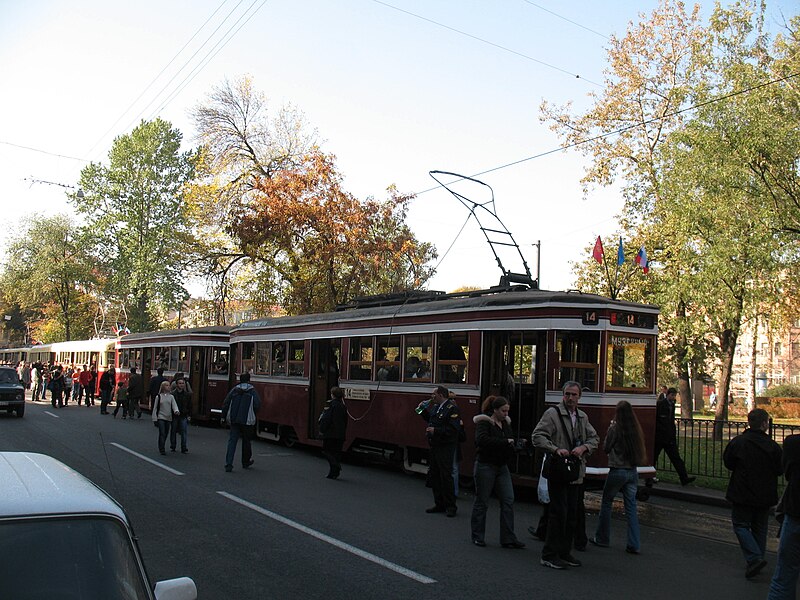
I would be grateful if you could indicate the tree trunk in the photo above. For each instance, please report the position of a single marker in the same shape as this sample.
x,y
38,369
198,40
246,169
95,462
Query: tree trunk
x,y
682,367
728,346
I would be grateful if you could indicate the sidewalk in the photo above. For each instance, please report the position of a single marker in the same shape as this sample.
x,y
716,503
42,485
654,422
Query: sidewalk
x,y
689,493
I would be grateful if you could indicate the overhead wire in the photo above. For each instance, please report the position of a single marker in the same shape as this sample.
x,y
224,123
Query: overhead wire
x,y
160,73
43,151
602,35
209,56
485,41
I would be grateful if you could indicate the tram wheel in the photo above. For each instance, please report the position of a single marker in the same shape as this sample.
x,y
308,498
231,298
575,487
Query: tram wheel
x,y
288,438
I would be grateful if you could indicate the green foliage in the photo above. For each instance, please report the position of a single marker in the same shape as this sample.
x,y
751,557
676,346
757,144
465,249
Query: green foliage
x,y
782,391
135,217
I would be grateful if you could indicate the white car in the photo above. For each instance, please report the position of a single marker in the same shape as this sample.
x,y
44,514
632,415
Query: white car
x,y
63,538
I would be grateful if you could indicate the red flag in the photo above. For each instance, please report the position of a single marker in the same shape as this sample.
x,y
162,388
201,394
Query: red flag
x,y
597,253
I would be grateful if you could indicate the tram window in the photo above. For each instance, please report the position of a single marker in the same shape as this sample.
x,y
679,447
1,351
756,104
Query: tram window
x,y
180,358
124,359
263,351
162,358
451,357
417,358
248,358
109,359
279,358
296,358
388,363
361,358
219,361
629,362
579,352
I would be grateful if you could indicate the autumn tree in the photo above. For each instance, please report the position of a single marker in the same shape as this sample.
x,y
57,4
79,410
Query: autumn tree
x,y
49,274
324,245
133,211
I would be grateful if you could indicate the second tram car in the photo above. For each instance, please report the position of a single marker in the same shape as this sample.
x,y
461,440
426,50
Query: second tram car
x,y
389,352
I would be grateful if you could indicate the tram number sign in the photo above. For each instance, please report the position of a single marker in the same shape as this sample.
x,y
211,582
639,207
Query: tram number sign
x,y
357,393
589,317
629,319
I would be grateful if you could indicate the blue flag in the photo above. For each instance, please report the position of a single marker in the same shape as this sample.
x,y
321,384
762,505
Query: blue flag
x,y
620,253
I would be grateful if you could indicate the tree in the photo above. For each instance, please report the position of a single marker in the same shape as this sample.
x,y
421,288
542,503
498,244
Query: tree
x,y
136,217
324,245
49,274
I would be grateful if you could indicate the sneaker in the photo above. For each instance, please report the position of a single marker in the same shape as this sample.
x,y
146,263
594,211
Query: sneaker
x,y
479,543
248,464
631,550
553,563
571,560
451,512
184,451
593,541
228,468
535,533
687,481
754,568
516,545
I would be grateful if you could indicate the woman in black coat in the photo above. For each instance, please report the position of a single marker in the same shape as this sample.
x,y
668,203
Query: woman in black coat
x,y
333,427
496,445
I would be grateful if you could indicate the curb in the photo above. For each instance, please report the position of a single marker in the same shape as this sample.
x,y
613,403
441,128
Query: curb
x,y
690,494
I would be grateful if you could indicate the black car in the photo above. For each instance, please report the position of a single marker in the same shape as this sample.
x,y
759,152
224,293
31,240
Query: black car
x,y
12,392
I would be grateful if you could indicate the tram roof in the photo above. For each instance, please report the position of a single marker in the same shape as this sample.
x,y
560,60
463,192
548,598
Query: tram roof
x,y
186,333
438,302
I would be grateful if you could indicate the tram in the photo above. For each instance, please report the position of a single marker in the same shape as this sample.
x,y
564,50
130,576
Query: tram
x,y
201,354
13,356
388,353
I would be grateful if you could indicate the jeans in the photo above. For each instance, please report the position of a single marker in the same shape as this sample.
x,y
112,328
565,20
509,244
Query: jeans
x,y
105,400
163,432
750,527
625,480
490,477
179,425
784,580
246,433
562,516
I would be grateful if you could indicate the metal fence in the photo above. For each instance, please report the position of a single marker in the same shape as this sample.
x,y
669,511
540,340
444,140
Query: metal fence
x,y
703,454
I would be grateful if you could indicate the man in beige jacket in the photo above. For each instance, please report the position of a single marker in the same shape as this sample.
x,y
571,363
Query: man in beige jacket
x,y
564,430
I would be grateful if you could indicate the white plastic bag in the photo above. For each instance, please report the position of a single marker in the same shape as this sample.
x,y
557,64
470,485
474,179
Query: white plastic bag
x,y
544,494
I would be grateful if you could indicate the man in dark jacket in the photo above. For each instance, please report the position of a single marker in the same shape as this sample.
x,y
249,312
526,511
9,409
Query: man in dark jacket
x,y
155,385
135,389
444,425
333,427
180,424
784,580
240,409
755,463
667,435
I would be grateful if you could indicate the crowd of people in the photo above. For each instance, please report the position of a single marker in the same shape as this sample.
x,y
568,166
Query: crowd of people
x,y
63,382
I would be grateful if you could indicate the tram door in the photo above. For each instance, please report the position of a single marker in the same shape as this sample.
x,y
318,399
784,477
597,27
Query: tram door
x,y
197,378
514,367
325,360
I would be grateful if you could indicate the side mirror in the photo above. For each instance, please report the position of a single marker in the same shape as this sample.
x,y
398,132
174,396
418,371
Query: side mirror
x,y
181,588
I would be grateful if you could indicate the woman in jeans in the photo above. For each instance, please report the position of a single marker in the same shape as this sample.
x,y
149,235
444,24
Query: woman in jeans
x,y
624,445
495,444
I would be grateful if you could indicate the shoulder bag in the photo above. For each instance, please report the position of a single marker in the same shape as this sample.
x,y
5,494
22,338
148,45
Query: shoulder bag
x,y
562,469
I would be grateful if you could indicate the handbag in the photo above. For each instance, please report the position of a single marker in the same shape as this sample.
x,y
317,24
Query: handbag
x,y
562,469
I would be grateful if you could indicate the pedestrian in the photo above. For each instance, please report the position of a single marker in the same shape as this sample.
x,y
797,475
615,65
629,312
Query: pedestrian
x,y
77,391
121,397
333,427
784,580
26,375
754,460
67,383
443,431
624,445
91,384
240,410
666,437
164,410
155,385
107,381
496,446
135,393
36,381
57,387
180,424
564,430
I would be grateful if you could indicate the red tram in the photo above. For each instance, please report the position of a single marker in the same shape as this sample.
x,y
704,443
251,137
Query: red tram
x,y
388,352
201,354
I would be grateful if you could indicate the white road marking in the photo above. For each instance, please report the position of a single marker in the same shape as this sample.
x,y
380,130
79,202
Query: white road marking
x,y
330,540
148,459
54,415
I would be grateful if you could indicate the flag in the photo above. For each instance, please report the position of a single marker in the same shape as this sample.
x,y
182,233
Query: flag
x,y
646,267
641,257
597,253
620,253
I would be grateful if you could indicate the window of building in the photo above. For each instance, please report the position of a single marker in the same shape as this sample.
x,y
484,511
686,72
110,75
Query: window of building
x,y
418,357
579,353
629,361
452,354
361,358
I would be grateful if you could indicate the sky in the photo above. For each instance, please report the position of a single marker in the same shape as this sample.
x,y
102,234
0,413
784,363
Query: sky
x,y
394,88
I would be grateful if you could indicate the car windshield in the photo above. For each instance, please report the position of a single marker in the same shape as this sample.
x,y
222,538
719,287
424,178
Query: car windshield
x,y
85,558
8,376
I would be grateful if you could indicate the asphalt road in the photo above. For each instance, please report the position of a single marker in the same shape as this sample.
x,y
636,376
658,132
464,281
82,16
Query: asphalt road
x,y
281,530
